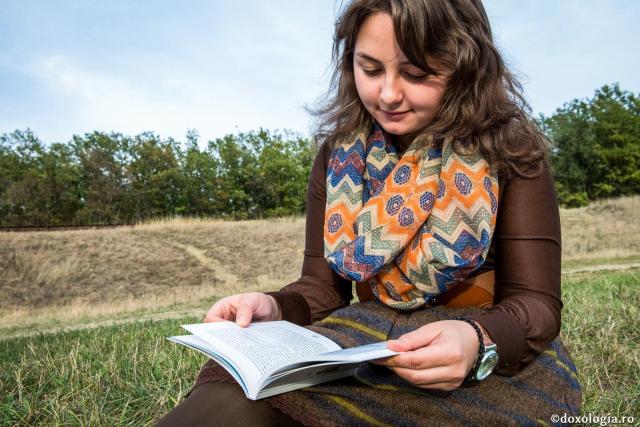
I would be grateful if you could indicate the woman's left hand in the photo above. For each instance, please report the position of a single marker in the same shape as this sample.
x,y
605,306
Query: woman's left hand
x,y
436,356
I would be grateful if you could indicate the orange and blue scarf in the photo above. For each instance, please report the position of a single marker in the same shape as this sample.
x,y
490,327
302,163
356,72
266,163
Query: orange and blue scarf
x,y
411,227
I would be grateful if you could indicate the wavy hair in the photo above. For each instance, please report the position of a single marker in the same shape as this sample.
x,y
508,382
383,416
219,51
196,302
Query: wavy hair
x,y
483,107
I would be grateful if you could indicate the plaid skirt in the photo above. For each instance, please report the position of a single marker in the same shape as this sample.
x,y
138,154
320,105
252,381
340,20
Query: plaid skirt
x,y
376,396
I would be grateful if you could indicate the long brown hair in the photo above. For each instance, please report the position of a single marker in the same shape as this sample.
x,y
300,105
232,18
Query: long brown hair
x,y
482,108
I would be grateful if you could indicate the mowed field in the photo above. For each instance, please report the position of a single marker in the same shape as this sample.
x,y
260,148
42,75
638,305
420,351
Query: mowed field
x,y
84,314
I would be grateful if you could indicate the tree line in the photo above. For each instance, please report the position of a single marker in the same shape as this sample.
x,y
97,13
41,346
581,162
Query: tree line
x,y
596,146
102,178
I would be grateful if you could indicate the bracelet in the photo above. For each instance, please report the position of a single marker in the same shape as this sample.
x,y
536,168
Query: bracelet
x,y
474,370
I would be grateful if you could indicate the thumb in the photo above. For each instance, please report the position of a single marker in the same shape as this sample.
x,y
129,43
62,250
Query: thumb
x,y
244,314
415,339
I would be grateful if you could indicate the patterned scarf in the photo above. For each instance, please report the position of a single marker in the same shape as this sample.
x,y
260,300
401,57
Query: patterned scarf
x,y
411,227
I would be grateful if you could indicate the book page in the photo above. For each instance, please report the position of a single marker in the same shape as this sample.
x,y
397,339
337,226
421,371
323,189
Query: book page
x,y
363,353
196,343
306,376
264,345
324,367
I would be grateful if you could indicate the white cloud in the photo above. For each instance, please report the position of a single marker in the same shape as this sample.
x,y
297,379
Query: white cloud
x,y
218,67
101,101
90,100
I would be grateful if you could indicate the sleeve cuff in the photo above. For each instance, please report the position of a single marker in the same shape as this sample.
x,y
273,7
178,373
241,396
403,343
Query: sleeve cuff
x,y
508,335
293,307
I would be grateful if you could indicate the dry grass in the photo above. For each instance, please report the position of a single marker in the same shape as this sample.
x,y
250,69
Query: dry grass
x,y
606,229
52,278
67,275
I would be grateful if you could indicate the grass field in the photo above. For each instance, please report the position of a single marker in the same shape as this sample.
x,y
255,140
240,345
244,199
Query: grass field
x,y
130,374
81,354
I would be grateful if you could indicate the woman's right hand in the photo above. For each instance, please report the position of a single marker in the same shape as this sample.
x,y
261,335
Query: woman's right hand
x,y
244,308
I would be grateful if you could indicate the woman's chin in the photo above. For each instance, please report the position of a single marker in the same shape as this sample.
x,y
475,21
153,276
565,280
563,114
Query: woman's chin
x,y
395,128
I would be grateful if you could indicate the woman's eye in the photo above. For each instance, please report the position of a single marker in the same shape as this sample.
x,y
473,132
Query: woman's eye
x,y
371,72
416,77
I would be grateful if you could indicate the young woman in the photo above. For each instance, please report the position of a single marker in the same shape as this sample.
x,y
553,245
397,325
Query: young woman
x,y
430,172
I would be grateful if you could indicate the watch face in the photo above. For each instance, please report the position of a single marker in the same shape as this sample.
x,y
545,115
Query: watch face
x,y
487,365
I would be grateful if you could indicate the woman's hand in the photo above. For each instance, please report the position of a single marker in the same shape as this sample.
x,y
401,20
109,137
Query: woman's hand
x,y
436,356
243,308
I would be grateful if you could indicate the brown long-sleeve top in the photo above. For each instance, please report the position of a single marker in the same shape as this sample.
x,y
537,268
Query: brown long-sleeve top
x,y
525,254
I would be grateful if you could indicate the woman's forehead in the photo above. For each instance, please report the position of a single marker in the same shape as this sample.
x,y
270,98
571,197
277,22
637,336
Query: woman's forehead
x,y
376,40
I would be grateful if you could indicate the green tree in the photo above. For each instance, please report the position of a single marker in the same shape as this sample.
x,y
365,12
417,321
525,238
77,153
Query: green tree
x,y
200,179
60,184
104,183
11,171
38,184
156,180
262,174
238,170
284,166
596,149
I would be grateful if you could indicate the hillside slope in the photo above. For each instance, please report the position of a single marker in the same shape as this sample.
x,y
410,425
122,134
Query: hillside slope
x,y
52,278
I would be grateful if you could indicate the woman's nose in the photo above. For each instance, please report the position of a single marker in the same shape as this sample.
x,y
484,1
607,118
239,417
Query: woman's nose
x,y
390,93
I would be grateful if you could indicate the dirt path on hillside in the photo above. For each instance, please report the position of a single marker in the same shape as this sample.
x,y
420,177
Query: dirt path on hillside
x,y
602,267
184,313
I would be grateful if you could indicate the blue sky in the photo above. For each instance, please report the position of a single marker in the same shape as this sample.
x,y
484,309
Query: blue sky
x,y
70,67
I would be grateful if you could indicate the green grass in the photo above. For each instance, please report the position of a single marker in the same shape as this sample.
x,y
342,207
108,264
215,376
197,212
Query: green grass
x,y
130,374
127,374
601,327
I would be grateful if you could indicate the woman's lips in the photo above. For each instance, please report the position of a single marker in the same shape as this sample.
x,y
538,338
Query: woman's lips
x,y
395,116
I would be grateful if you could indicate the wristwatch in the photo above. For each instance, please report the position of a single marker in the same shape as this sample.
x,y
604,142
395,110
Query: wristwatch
x,y
488,362
487,358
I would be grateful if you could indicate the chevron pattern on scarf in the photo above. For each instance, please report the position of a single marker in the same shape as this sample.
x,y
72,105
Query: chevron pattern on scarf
x,y
411,227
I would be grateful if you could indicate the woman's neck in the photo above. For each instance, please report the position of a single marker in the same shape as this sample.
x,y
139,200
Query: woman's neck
x,y
401,142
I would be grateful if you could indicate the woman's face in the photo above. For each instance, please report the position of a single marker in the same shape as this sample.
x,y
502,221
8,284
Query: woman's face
x,y
399,95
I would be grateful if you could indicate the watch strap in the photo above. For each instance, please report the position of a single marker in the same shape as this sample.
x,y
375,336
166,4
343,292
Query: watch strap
x,y
471,376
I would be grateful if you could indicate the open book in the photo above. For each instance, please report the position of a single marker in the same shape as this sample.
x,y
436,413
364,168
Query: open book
x,y
269,358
